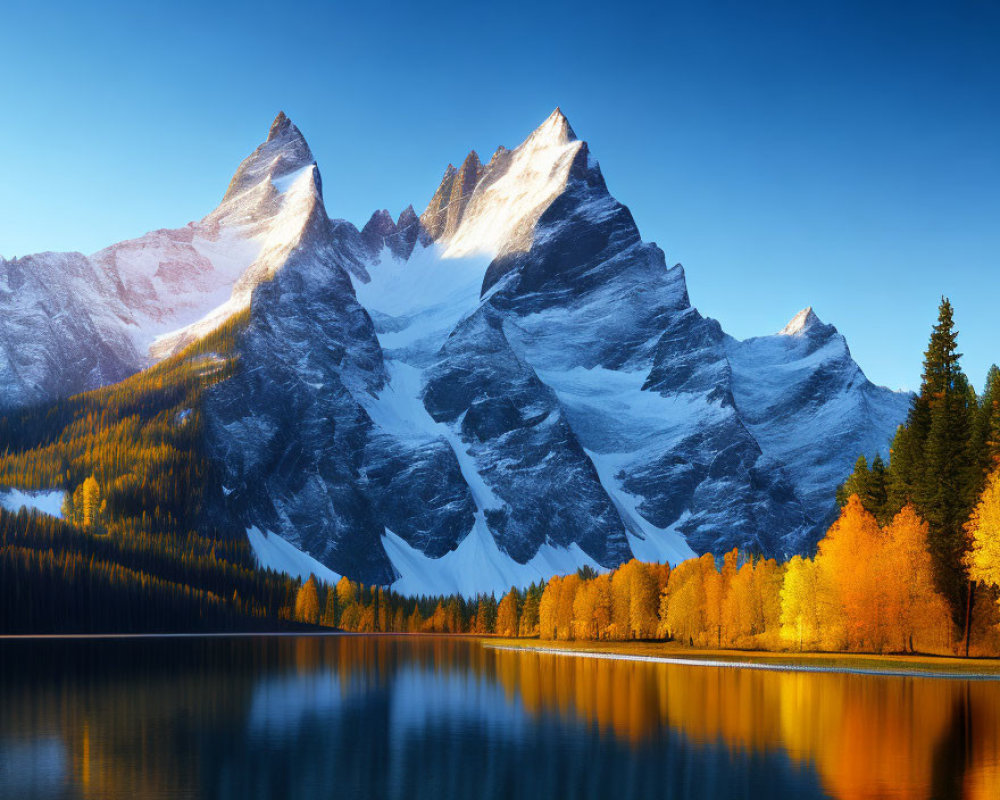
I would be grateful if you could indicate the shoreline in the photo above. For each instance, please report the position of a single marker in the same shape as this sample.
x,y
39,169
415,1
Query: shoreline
x,y
940,667
667,653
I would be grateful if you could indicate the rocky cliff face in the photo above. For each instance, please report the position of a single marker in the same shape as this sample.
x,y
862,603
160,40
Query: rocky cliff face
x,y
510,386
61,328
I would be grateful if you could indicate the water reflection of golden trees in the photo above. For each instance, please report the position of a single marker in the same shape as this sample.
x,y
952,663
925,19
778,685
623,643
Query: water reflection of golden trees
x,y
867,736
132,732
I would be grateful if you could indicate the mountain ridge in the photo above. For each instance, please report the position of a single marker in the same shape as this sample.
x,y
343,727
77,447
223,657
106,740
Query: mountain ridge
x,y
513,374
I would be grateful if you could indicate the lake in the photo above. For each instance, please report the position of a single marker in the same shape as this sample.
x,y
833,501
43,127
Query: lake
x,y
425,717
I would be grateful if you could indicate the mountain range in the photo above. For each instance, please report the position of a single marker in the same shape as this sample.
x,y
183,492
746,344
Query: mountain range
x,y
511,385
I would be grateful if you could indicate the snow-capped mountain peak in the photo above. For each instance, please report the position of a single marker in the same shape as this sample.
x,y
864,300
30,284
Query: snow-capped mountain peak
x,y
509,195
150,296
801,323
555,130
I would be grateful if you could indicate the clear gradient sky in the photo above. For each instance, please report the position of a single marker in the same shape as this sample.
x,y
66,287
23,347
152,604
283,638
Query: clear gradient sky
x,y
835,154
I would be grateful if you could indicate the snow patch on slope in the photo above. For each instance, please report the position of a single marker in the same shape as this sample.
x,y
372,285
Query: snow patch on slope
x,y
47,502
477,565
611,413
416,303
648,542
273,552
399,410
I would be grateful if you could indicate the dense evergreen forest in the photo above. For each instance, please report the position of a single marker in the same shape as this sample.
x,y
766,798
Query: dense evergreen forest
x,y
913,562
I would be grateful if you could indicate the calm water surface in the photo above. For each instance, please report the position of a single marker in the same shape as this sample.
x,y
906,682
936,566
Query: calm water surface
x,y
380,717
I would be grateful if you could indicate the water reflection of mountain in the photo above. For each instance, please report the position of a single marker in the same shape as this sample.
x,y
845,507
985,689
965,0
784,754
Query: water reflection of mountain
x,y
381,717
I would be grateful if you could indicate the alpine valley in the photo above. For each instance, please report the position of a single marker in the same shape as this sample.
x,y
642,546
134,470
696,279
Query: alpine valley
x,y
509,386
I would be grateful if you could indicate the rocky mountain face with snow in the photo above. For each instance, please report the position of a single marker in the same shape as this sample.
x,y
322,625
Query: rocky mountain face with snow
x,y
509,386
70,322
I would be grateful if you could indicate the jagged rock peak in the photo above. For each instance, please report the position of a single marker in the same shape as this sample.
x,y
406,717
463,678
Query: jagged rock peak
x,y
803,322
281,125
284,153
445,210
471,164
555,130
406,217
400,237
380,224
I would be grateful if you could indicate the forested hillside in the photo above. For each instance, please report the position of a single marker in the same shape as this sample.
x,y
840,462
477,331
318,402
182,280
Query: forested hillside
x,y
138,549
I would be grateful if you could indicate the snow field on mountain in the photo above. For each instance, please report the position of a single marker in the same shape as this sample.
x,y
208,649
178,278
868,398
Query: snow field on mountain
x,y
46,502
273,552
478,565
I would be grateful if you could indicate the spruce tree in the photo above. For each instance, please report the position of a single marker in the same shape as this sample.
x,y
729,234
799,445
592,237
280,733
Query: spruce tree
x,y
941,426
857,482
986,428
877,491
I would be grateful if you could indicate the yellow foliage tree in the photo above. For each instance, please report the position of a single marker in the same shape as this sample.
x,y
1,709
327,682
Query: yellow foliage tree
x,y
686,609
548,608
984,531
848,559
800,591
307,602
90,500
584,624
644,595
564,608
507,615
916,610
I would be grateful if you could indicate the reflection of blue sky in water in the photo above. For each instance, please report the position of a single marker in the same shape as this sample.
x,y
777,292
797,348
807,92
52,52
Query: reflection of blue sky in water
x,y
281,704
34,768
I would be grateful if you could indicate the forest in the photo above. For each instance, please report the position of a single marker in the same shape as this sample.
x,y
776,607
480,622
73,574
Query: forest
x,y
137,549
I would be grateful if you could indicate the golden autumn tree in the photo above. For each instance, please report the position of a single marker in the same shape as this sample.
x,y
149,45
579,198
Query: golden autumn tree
x,y
916,610
548,608
307,602
983,529
686,607
714,595
644,595
601,586
90,501
621,605
848,560
347,592
737,613
507,616
564,607
800,591
768,577
584,624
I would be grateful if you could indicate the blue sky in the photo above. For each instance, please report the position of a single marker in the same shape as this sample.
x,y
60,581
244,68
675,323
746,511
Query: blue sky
x,y
840,155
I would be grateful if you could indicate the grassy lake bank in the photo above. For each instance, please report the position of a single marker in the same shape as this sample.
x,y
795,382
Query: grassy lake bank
x,y
918,665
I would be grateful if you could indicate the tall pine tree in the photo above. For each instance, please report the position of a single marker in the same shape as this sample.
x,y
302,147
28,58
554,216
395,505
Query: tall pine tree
x,y
939,459
986,427
945,492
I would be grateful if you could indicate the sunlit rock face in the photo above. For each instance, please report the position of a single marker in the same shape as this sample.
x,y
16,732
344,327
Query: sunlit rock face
x,y
60,328
69,322
509,386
